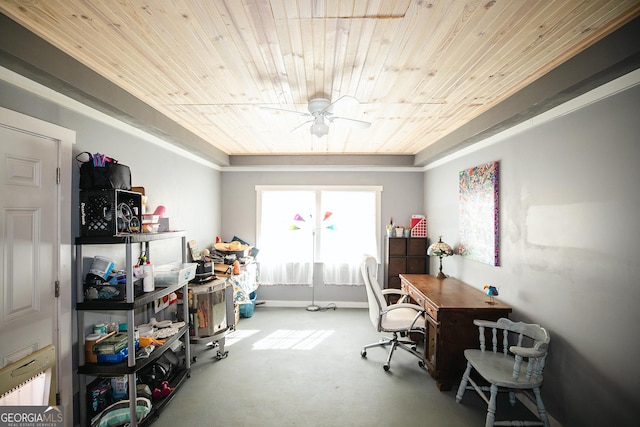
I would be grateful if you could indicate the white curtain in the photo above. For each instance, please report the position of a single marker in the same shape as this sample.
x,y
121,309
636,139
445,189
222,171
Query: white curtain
x,y
354,218
333,226
286,253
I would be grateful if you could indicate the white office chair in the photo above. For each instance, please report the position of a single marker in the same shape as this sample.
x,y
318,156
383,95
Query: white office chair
x,y
400,319
509,368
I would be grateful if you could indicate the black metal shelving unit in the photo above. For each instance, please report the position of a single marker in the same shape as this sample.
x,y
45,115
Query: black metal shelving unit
x,y
130,366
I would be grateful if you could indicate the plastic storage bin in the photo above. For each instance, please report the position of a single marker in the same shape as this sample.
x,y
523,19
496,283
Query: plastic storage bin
x,y
246,310
116,357
175,272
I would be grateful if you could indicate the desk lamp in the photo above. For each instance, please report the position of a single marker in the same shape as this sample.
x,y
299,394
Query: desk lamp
x,y
440,249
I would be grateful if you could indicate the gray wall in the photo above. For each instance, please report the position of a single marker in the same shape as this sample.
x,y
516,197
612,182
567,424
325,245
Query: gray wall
x,y
189,190
401,197
570,240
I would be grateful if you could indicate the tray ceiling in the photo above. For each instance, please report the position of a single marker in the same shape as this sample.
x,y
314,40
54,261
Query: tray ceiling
x,y
420,69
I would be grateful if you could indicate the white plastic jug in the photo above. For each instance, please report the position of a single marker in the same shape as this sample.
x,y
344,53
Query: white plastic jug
x,y
148,283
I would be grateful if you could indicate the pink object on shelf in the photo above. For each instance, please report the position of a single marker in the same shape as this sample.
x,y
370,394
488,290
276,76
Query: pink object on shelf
x,y
160,211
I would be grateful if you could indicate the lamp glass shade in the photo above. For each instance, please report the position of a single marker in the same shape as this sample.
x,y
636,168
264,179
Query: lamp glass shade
x,y
440,249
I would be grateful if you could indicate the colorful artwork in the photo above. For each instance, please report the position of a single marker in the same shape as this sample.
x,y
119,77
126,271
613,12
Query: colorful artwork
x,y
479,236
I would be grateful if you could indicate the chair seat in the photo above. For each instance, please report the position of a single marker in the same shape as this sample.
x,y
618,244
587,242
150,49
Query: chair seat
x,y
497,368
400,320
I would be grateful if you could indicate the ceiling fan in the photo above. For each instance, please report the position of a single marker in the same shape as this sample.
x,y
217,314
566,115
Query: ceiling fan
x,y
321,111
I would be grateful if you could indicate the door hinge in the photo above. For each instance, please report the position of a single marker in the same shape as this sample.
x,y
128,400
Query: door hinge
x,y
57,289
58,175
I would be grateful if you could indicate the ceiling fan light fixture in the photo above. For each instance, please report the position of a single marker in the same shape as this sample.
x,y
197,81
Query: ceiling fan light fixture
x,y
321,111
319,128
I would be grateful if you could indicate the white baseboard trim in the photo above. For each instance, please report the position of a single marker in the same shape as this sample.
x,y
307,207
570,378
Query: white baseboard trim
x,y
303,304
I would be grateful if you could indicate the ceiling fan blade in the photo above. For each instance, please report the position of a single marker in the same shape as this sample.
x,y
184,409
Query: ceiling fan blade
x,y
342,102
305,123
285,111
351,122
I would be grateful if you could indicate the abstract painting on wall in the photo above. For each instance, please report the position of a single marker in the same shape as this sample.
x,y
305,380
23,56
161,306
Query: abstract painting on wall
x,y
479,232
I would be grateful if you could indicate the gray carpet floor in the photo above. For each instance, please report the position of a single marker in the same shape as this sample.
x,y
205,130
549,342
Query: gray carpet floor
x,y
292,367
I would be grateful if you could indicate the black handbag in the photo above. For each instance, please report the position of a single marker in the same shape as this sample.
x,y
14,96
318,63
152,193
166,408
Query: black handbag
x,y
102,173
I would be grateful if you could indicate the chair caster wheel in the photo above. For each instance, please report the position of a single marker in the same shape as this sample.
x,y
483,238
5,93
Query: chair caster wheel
x,y
363,354
386,367
421,364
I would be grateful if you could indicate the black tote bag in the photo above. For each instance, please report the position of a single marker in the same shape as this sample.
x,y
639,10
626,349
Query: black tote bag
x,y
111,175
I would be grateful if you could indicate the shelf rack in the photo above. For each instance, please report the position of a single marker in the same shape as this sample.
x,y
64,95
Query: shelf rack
x,y
130,366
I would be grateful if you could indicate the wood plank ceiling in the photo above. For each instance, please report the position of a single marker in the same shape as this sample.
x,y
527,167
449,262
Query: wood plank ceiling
x,y
420,69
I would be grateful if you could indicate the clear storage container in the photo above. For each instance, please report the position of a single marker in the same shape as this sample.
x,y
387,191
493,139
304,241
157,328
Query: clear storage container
x,y
173,273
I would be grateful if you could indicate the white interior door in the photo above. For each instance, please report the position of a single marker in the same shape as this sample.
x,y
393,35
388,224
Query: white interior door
x,y
35,243
29,216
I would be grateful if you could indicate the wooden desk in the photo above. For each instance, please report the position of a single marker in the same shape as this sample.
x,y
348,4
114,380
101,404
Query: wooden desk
x,y
451,307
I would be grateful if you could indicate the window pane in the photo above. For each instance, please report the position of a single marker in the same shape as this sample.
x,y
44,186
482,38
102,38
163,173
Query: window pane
x,y
343,224
286,244
354,220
